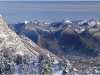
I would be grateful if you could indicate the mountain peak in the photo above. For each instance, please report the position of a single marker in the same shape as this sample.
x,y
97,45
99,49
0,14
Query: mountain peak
x,y
9,38
67,21
1,18
26,22
3,25
93,22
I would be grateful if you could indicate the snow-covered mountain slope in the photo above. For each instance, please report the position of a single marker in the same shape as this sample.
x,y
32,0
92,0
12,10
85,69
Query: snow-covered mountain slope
x,y
21,44
9,38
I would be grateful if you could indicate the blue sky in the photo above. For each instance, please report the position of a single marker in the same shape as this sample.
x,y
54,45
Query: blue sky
x,y
17,11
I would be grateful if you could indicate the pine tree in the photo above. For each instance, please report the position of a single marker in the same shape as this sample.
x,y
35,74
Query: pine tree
x,y
65,66
26,59
0,68
18,61
95,71
46,62
7,68
0,71
8,53
1,59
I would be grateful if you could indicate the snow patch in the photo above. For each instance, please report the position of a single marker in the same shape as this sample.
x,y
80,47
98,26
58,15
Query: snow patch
x,y
66,21
79,30
26,22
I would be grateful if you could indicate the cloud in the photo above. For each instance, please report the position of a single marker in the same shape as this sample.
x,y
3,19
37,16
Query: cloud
x,y
50,6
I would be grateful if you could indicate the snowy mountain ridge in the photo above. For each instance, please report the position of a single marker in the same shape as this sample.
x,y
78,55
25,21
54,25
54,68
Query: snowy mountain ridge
x,y
55,26
21,44
10,39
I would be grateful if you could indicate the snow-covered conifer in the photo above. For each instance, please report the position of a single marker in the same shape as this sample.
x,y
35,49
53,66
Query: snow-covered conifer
x,y
26,58
46,62
18,61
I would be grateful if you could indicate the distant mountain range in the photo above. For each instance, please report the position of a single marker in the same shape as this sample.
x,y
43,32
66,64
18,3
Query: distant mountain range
x,y
80,38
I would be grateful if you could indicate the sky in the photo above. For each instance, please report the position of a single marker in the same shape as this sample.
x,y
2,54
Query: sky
x,y
19,11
